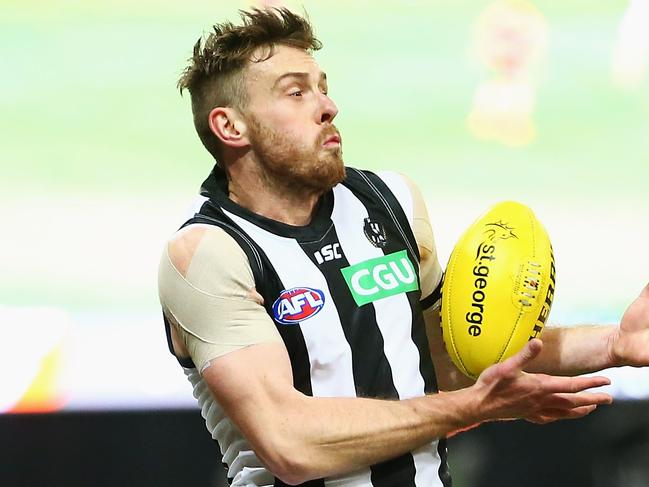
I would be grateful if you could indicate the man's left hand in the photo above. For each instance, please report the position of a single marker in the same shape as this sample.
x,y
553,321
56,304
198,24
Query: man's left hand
x,y
630,343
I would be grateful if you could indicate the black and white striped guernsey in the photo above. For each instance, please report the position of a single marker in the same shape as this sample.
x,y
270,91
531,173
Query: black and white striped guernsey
x,y
344,295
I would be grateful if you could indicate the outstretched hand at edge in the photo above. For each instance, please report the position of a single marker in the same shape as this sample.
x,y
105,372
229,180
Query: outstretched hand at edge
x,y
629,344
504,391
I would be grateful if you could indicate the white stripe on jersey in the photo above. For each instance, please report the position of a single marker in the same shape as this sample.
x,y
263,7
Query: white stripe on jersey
x,y
401,191
242,461
426,457
427,463
195,206
323,333
399,348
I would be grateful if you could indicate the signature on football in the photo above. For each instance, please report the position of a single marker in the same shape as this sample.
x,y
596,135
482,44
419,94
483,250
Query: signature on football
x,y
499,231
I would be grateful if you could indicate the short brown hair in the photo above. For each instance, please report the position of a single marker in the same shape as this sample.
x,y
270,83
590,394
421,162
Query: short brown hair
x,y
215,74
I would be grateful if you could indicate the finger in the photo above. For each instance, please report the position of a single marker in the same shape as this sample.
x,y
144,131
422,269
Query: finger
x,y
580,412
572,401
550,415
529,352
552,383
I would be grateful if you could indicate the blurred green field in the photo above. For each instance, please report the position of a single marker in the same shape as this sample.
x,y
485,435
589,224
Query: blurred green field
x,y
98,147
89,103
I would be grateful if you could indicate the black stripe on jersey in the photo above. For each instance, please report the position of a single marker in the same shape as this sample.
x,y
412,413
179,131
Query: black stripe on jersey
x,y
393,208
394,243
401,470
186,362
443,471
419,336
370,366
310,483
398,229
433,297
371,369
270,286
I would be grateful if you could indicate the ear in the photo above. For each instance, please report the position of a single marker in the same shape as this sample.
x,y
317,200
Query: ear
x,y
228,126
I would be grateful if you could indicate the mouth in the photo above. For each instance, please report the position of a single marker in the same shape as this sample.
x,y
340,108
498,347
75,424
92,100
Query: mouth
x,y
332,141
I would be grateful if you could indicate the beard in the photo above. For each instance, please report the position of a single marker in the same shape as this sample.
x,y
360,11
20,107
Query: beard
x,y
295,165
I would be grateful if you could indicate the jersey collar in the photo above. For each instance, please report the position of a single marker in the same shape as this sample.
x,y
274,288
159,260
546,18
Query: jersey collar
x,y
215,187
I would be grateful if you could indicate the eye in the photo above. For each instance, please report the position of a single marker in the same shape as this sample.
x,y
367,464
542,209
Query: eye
x,y
296,93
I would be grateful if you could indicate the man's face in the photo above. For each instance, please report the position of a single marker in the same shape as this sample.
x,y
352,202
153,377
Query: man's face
x,y
290,119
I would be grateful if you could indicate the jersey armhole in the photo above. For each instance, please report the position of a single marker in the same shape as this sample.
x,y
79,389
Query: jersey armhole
x,y
433,298
185,362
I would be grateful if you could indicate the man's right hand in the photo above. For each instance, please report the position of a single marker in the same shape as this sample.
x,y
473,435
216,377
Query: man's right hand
x,y
504,391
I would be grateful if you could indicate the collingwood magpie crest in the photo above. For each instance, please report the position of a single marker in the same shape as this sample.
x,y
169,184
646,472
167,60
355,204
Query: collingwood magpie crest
x,y
375,233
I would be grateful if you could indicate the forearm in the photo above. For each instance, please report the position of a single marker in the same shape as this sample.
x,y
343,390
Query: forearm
x,y
299,437
574,350
336,435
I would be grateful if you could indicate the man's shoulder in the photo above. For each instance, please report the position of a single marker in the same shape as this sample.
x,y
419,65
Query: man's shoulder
x,y
211,241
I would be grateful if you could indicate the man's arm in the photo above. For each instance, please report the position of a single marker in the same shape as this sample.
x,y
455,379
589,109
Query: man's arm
x,y
300,437
568,351
574,350
581,349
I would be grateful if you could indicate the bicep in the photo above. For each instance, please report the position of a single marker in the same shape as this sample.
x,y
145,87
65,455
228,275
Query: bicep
x,y
254,386
207,292
246,382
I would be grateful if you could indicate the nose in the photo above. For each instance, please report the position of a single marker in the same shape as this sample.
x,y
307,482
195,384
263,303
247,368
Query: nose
x,y
328,109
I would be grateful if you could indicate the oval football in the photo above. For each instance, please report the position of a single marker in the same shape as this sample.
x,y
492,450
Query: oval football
x,y
498,287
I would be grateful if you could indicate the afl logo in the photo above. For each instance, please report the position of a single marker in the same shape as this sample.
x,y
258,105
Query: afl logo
x,y
297,304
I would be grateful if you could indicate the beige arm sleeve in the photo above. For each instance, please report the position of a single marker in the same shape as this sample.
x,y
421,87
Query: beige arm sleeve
x,y
430,271
207,291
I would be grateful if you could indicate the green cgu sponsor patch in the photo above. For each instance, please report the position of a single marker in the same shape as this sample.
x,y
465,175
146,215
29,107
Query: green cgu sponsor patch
x,y
381,277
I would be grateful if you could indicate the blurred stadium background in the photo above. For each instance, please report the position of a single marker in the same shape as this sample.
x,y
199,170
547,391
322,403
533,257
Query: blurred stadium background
x,y
543,102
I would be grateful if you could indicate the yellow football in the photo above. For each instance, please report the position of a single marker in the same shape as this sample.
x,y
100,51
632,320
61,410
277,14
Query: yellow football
x,y
498,287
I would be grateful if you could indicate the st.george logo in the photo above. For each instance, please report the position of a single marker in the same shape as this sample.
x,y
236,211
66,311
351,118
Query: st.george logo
x,y
381,277
297,304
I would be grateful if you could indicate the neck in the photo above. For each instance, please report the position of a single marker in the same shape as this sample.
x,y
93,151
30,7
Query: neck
x,y
262,194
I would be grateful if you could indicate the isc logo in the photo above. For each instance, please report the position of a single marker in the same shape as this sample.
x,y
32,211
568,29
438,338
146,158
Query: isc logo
x,y
297,304
328,253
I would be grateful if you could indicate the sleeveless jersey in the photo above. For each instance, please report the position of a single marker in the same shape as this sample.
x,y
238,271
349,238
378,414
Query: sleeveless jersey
x,y
344,295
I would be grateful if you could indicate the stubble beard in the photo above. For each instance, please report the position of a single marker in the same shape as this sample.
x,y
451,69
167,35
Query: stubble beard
x,y
294,166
